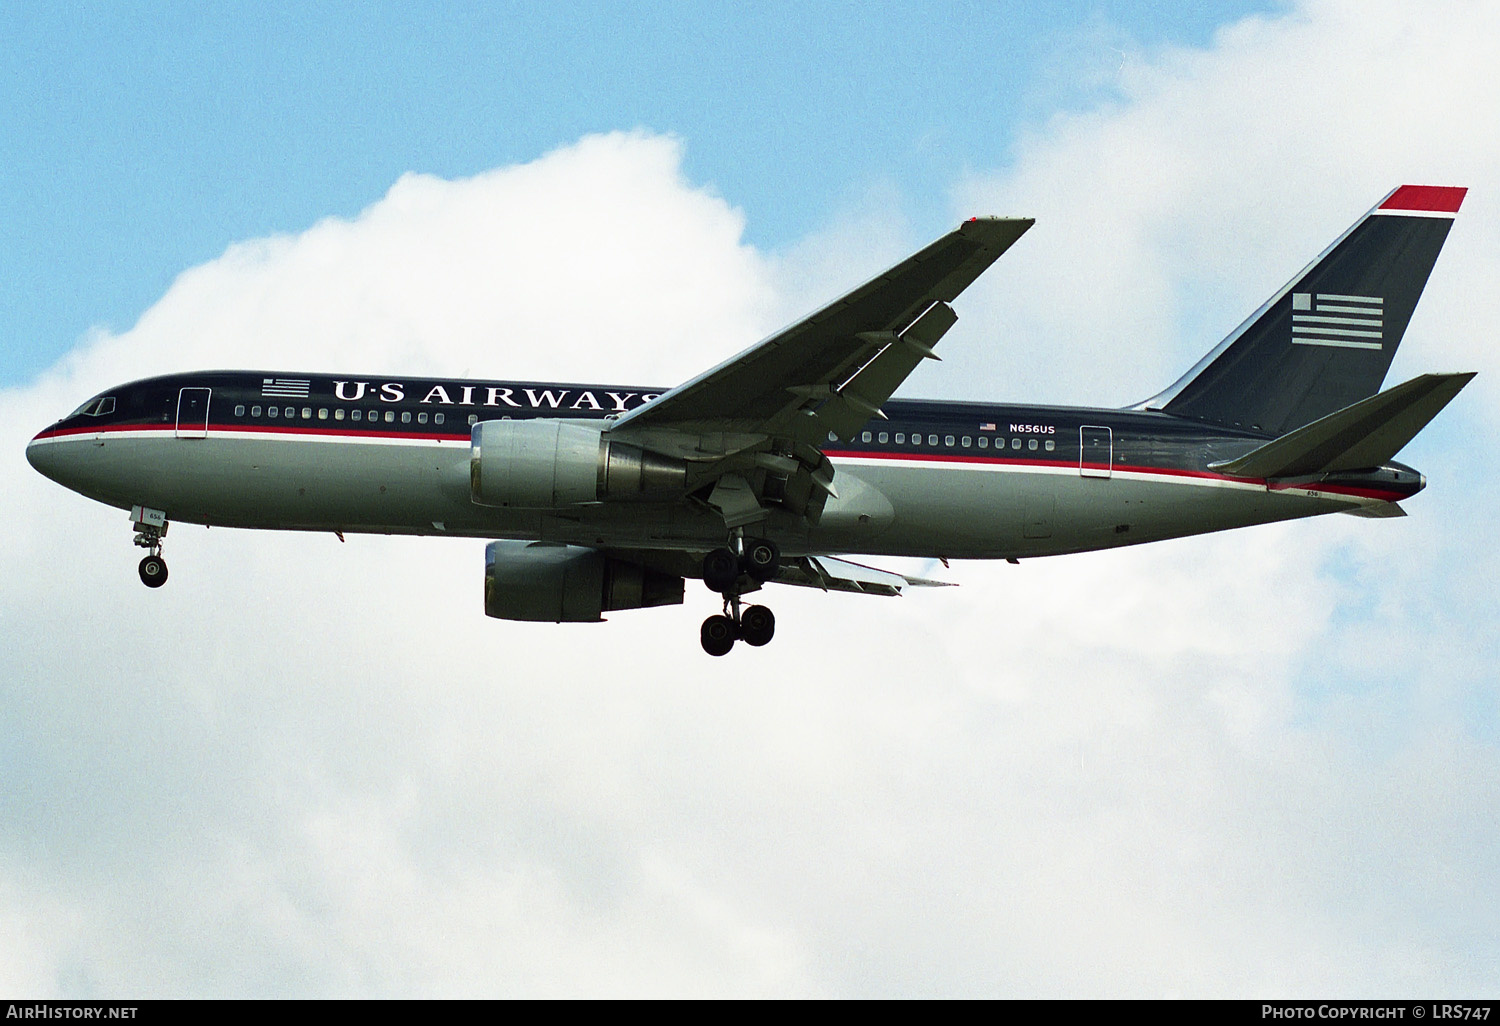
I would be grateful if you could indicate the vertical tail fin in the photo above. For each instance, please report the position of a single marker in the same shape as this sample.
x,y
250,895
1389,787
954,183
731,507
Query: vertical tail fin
x,y
1326,340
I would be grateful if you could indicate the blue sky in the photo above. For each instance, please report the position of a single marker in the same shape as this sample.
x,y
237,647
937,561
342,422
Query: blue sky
x,y
141,139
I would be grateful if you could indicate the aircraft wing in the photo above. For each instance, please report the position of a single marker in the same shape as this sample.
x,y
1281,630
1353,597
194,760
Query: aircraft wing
x,y
833,369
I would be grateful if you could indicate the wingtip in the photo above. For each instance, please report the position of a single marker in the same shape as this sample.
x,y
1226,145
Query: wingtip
x,y
990,227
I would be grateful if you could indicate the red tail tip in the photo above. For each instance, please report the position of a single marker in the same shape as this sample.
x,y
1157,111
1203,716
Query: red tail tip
x,y
1438,199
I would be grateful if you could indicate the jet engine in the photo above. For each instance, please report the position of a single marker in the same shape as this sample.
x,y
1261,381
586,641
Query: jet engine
x,y
548,463
568,583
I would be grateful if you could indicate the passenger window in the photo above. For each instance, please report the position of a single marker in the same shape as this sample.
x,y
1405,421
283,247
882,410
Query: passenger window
x,y
322,413
932,439
948,441
338,414
865,437
1015,443
1031,444
306,413
884,436
437,418
966,441
984,443
832,437
406,417
473,419
239,411
422,417
271,411
255,411
1051,445
356,414
900,437
390,416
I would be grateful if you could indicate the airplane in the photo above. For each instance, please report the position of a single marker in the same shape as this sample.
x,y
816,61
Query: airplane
x,y
781,463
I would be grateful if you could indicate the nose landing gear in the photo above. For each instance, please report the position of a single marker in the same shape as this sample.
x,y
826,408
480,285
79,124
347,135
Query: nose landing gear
x,y
150,526
724,571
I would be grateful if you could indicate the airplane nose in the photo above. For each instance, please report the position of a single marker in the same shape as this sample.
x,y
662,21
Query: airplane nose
x,y
41,456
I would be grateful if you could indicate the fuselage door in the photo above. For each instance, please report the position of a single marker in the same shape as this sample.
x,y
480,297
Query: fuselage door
x,y
192,412
1096,451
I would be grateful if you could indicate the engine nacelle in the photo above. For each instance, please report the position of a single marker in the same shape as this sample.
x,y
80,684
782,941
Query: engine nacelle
x,y
568,583
548,463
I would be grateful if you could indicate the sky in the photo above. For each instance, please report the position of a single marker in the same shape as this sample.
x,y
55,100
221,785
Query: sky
x,y
1256,764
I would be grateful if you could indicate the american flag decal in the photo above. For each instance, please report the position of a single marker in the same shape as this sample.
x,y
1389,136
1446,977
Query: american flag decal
x,y
285,388
1343,322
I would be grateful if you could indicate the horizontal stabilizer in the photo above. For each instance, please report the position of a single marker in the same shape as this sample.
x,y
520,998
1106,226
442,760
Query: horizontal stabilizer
x,y
1379,511
1367,434
832,574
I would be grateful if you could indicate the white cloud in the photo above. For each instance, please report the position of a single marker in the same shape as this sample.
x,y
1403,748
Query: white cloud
x,y
1251,764
516,271
1168,215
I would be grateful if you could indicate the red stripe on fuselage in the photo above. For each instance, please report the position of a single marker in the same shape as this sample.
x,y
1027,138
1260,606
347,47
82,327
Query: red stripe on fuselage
x,y
1384,495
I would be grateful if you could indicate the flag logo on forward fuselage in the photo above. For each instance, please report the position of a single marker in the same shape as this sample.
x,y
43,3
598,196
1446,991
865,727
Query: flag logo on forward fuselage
x,y
285,388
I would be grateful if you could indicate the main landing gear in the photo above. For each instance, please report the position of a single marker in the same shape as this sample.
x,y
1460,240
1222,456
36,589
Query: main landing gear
x,y
150,526
725,571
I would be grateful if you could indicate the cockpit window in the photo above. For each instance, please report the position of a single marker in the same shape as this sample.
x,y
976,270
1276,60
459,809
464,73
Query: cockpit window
x,y
102,406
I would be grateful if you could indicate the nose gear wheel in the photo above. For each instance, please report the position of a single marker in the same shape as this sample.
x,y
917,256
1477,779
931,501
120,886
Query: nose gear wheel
x,y
153,571
153,568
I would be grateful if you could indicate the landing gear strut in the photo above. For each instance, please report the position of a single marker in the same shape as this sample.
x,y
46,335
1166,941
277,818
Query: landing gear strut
x,y
758,559
150,526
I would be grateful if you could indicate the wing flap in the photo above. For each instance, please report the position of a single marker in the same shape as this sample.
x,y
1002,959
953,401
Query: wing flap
x,y
861,397
829,573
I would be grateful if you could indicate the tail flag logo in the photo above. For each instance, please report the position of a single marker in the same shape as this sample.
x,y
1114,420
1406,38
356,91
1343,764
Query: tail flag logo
x,y
1340,322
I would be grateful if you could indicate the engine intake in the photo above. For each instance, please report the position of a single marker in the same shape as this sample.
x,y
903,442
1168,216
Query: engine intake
x,y
542,581
550,463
